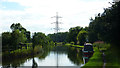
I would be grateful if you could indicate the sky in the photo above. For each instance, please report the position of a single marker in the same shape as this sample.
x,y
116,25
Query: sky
x,y
35,15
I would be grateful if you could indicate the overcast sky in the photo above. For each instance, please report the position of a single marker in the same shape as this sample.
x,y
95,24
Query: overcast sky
x,y
35,15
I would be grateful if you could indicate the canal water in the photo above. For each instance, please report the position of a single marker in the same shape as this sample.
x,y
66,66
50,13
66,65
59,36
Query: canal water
x,y
60,56
51,60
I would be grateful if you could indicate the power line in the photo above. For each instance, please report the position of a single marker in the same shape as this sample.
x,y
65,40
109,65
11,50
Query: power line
x,y
57,28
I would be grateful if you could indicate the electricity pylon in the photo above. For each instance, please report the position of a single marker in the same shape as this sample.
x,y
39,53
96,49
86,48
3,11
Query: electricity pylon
x,y
57,28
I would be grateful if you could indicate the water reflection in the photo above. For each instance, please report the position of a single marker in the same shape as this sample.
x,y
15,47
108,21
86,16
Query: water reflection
x,y
86,57
75,55
67,56
35,65
12,61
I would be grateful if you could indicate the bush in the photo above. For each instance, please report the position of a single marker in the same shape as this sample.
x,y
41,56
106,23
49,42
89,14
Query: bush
x,y
101,46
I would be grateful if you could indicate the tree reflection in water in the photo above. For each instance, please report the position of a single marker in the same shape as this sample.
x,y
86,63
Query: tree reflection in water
x,y
35,65
86,57
75,55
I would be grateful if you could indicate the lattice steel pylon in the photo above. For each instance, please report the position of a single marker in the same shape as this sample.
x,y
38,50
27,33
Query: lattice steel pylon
x,y
57,28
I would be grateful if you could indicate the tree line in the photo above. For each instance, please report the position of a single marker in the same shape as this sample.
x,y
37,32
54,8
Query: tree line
x,y
78,35
20,37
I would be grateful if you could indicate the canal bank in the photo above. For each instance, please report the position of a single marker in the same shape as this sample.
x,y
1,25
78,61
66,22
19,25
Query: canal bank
x,y
98,59
67,56
105,56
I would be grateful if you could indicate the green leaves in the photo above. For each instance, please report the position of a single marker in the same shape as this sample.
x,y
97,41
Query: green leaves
x,y
105,26
18,35
16,26
73,32
40,39
59,37
82,37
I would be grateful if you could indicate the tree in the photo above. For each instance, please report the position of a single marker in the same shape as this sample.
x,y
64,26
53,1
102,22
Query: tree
x,y
73,32
11,40
93,31
92,36
59,37
6,41
106,25
17,37
15,26
21,29
82,37
28,36
39,39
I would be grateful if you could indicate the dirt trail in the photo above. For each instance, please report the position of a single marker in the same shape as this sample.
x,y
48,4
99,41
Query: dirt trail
x,y
104,60
103,57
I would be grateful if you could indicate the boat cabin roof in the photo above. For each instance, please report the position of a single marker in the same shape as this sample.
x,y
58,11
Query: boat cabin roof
x,y
87,44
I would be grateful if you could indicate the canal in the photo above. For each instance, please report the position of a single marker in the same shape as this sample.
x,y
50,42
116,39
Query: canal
x,y
58,56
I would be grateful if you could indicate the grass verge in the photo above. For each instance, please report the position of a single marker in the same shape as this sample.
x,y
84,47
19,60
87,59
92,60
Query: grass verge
x,y
68,44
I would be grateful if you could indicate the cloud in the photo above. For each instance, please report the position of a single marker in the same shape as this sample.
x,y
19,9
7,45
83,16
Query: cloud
x,y
37,14
116,0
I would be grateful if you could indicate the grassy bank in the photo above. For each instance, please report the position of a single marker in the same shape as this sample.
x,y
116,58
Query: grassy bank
x,y
19,53
68,44
111,56
19,56
95,61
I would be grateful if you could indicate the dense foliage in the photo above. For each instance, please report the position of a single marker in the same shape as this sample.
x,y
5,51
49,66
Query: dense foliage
x,y
78,35
40,39
11,40
105,26
59,37
82,37
20,37
73,32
